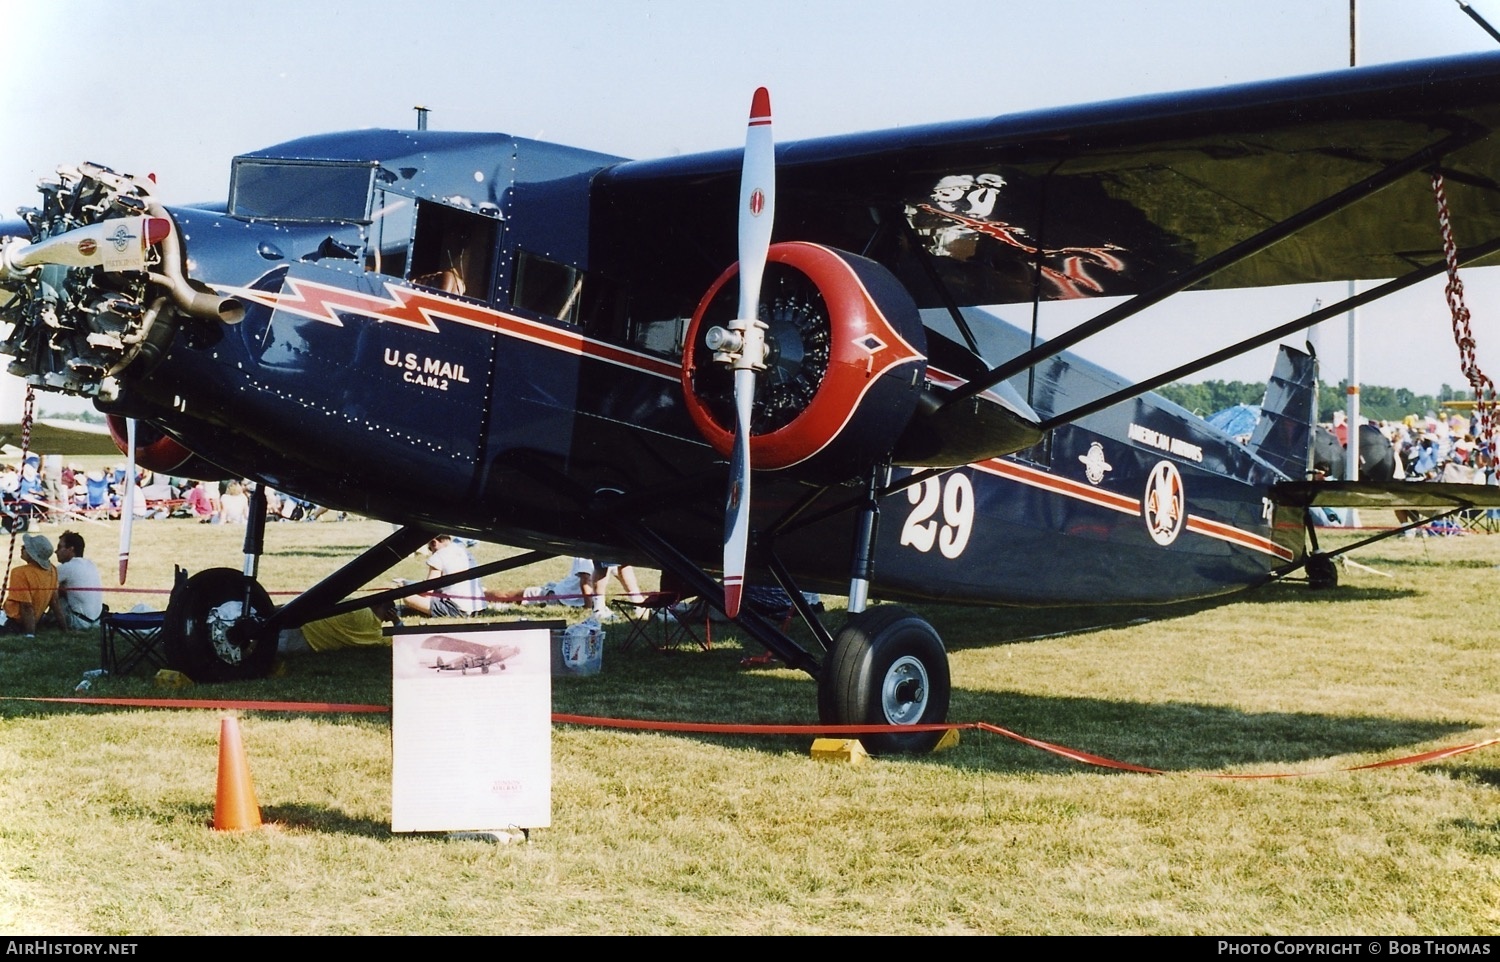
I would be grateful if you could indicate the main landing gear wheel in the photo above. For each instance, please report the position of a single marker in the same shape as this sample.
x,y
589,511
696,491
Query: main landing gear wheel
x,y
888,667
1322,572
197,629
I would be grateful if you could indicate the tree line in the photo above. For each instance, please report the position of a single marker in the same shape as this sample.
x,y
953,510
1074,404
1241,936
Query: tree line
x,y
1375,402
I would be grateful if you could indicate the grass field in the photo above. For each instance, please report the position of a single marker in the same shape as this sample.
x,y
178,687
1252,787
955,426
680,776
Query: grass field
x,y
103,811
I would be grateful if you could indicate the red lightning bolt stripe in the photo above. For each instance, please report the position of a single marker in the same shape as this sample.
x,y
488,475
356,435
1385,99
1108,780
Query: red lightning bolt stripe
x,y
418,309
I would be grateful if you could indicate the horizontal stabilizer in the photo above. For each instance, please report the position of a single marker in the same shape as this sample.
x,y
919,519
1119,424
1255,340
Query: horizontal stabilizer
x,y
1385,494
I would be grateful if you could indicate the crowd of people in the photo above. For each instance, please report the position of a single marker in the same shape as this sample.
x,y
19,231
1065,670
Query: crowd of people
x,y
39,488
1438,446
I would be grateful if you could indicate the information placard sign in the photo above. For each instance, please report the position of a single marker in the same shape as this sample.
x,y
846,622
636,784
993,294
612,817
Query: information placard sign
x,y
471,727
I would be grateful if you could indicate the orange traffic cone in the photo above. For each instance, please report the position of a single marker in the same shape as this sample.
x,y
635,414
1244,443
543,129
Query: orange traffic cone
x,y
235,807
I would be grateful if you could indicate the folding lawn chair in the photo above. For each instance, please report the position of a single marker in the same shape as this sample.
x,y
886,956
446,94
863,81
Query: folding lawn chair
x,y
127,638
654,620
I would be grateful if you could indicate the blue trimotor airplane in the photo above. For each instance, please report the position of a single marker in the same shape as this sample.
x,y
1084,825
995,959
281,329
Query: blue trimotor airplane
x,y
572,353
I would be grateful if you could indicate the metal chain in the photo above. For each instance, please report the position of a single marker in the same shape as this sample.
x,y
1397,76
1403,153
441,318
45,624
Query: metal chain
x,y
26,419
1483,387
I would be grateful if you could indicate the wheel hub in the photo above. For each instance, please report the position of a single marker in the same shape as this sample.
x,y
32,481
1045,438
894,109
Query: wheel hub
x,y
220,622
903,695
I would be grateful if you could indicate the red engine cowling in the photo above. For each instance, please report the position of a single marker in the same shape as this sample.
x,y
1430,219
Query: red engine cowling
x,y
156,452
845,365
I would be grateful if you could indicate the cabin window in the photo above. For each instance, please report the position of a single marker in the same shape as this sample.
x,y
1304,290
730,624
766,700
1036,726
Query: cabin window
x,y
570,295
548,288
389,238
665,336
453,250
300,192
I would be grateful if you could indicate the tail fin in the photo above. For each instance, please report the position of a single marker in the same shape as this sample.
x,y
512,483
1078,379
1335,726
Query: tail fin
x,y
1284,434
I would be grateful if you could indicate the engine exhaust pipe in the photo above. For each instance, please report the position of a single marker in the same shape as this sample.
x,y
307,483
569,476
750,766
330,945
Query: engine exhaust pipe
x,y
192,298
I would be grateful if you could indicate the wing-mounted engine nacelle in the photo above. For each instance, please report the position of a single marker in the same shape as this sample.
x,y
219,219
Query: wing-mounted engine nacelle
x,y
846,359
156,452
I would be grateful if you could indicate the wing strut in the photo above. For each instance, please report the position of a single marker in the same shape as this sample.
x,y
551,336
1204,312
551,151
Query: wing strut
x,y
1221,261
1270,337
924,258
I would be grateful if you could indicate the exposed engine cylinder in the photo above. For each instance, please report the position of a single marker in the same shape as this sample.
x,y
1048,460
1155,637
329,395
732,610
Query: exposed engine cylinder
x,y
100,287
844,369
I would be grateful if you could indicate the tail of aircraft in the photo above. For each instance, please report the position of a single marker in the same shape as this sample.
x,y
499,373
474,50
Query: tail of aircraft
x,y
1284,435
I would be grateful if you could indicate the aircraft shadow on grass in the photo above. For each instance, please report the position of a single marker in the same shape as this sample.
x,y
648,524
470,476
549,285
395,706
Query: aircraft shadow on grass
x,y
1141,733
1484,775
980,628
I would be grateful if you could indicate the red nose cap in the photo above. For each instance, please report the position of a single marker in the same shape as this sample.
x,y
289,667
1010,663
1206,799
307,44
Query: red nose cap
x,y
157,229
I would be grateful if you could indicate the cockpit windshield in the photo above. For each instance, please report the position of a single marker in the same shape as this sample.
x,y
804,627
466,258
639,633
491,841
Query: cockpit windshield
x,y
300,191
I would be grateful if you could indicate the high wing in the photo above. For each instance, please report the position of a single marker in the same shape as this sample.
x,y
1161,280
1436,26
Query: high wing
x,y
48,435
1117,198
57,436
1388,494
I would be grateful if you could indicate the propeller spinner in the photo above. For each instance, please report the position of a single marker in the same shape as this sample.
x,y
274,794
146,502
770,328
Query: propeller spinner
x,y
742,345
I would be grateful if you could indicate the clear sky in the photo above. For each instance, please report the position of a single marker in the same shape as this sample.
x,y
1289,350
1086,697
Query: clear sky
x,y
178,88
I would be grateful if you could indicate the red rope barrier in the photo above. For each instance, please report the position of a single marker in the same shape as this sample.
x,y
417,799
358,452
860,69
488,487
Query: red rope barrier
x,y
729,728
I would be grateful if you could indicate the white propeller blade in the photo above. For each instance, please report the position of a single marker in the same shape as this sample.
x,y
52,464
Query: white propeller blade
x,y
757,214
757,203
127,500
737,504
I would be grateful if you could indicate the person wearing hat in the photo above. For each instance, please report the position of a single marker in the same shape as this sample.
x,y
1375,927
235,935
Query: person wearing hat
x,y
32,587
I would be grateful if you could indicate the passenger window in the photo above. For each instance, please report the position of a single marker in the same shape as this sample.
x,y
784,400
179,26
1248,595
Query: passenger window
x,y
564,292
390,234
660,337
454,250
548,288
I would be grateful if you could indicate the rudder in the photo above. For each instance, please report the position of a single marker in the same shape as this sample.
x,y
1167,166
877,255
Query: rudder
x,y
1283,436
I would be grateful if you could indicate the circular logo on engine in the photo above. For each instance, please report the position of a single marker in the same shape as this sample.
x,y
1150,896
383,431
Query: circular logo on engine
x,y
1165,504
87,246
121,238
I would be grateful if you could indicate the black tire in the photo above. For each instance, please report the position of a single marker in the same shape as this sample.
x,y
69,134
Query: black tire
x,y
888,667
1322,572
195,630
